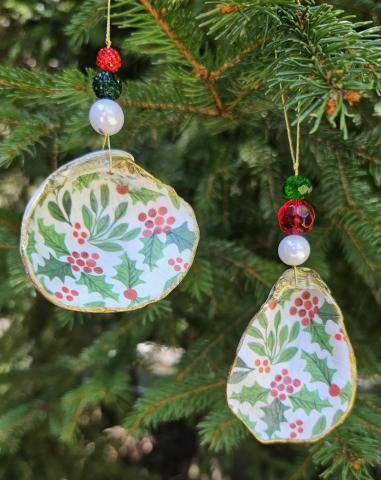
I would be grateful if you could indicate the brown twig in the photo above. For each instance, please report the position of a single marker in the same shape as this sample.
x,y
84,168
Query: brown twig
x,y
210,112
201,71
230,63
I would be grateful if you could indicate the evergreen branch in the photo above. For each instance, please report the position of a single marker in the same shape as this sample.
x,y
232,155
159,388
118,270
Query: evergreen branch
x,y
200,71
172,401
216,74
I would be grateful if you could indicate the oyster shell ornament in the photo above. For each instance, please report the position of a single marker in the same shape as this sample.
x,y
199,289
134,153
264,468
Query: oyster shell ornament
x,y
294,375
105,237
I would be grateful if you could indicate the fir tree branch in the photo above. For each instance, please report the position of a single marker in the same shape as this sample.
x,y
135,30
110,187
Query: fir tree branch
x,y
200,71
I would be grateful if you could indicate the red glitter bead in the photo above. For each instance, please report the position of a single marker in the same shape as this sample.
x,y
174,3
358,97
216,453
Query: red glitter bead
x,y
109,59
296,217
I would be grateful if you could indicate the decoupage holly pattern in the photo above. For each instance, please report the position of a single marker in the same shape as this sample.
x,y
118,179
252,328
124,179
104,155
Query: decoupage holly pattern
x,y
106,240
294,375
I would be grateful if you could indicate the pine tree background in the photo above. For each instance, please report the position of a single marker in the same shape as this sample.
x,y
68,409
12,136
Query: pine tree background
x,y
85,396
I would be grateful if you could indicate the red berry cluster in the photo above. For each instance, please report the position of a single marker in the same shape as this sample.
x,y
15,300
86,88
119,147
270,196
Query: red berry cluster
x,y
84,261
263,366
109,59
68,294
340,336
283,385
177,264
130,294
79,234
305,307
156,221
297,427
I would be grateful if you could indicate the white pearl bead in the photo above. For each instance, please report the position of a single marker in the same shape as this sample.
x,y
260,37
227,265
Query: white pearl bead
x,y
106,117
294,250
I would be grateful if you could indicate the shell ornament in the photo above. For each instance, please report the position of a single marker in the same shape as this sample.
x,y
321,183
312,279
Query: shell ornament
x,y
294,375
101,239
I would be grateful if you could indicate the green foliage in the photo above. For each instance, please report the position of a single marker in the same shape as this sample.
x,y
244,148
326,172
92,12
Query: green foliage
x,y
202,84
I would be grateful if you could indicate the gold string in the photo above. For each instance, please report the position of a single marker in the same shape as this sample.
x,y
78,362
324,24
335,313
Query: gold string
x,y
108,25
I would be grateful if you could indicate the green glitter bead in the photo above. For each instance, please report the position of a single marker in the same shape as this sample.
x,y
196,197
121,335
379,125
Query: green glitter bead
x,y
107,85
297,188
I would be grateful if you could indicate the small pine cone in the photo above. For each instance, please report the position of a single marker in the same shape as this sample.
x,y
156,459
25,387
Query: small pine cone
x,y
228,8
331,107
351,97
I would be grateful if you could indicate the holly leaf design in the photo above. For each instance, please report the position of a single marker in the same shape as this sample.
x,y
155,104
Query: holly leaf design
x,y
119,230
308,401
262,320
55,268
97,284
152,250
240,363
127,273
346,393
56,212
238,375
174,198
31,245
93,202
84,181
170,283
338,416
286,297
120,211
252,394
182,237
105,196
102,225
144,195
131,235
319,335
52,239
318,368
66,202
328,311
319,426
254,332
274,416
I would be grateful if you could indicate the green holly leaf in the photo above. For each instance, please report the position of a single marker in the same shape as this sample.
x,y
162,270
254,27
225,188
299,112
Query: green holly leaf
x,y
84,181
274,416
182,237
55,268
127,273
97,284
144,195
241,364
120,211
252,394
319,335
56,212
52,239
66,202
328,311
105,196
31,245
174,198
346,393
338,416
308,401
152,250
319,426
170,283
318,368
238,375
